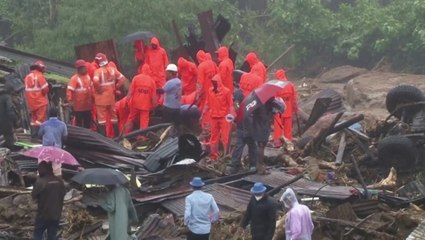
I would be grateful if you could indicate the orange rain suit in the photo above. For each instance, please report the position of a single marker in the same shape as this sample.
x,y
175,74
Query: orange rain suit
x,y
257,67
79,92
249,82
157,60
188,74
219,104
106,79
225,67
36,89
289,96
142,97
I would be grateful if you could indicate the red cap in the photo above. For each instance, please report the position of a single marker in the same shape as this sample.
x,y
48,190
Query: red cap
x,y
80,63
39,64
100,57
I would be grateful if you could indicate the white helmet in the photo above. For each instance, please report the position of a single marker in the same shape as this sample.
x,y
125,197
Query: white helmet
x,y
171,67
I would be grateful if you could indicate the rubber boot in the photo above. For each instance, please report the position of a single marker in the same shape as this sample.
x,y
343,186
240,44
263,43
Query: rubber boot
x,y
102,130
116,130
260,160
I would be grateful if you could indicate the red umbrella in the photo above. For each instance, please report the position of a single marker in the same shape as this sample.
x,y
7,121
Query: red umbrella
x,y
51,154
259,97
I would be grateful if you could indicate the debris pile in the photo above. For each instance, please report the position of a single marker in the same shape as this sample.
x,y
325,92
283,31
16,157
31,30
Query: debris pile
x,y
362,180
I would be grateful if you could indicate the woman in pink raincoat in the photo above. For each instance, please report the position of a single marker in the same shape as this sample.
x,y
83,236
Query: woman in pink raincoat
x,y
298,223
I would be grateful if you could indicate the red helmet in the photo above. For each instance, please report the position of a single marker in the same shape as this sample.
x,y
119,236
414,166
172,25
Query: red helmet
x,y
101,59
39,64
80,63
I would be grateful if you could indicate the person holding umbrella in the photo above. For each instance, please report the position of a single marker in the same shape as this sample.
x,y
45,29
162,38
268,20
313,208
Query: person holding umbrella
x,y
49,192
53,132
260,213
118,203
200,211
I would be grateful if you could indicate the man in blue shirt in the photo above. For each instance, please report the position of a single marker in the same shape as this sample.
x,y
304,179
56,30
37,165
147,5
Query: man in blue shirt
x,y
172,95
200,211
53,131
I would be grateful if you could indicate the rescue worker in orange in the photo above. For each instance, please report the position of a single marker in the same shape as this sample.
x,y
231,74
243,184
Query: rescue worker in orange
x,y
36,90
284,120
188,73
79,95
139,54
225,67
248,83
257,67
123,111
156,57
219,103
206,71
106,79
142,97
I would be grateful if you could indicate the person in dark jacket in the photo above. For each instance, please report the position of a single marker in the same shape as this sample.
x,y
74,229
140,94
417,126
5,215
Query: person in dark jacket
x,y
49,192
258,124
243,137
261,214
8,116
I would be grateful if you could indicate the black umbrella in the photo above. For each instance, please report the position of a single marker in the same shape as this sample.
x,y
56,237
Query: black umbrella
x,y
100,176
137,36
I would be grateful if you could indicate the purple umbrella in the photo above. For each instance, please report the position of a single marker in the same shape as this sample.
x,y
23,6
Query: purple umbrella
x,y
51,154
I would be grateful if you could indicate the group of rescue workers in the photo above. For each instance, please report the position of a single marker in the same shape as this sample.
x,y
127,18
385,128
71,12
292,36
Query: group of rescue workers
x,y
93,90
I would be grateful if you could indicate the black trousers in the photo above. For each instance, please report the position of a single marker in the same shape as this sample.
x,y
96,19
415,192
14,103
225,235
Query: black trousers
x,y
171,115
83,119
194,236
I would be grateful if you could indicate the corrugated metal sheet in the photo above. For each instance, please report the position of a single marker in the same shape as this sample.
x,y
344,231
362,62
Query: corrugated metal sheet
x,y
302,186
156,228
228,198
419,233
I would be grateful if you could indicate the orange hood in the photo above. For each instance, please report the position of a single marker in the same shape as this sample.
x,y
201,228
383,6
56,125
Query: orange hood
x,y
208,56
222,53
217,79
146,69
182,63
251,58
155,41
200,56
280,74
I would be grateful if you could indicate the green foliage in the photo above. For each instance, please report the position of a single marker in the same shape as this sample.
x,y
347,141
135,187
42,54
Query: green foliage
x,y
362,32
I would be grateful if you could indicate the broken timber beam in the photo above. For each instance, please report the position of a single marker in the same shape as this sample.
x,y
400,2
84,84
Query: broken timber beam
x,y
359,174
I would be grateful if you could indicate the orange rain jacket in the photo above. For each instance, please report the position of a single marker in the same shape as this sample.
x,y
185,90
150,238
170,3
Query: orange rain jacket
x,y
225,67
188,74
257,67
248,83
219,103
36,89
106,79
157,59
206,71
79,92
142,90
288,94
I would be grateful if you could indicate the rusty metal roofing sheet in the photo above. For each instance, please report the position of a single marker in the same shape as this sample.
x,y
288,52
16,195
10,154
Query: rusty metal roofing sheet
x,y
228,198
418,233
302,186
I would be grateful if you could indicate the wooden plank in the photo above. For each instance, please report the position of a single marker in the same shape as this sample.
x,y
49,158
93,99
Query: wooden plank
x,y
341,148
